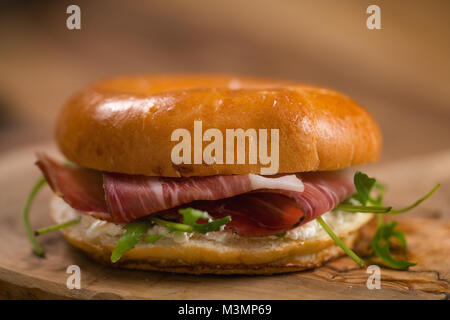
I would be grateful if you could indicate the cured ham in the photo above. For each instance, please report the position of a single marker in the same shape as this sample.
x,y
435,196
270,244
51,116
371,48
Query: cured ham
x,y
81,188
131,197
123,198
257,205
271,212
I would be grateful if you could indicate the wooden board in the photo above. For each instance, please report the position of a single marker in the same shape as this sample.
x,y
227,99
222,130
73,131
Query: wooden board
x,y
23,275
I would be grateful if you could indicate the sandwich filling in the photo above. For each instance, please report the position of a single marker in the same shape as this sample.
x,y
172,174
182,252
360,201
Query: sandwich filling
x,y
258,205
107,232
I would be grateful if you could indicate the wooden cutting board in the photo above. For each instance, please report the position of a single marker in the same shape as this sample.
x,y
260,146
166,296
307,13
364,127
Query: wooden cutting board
x,y
427,228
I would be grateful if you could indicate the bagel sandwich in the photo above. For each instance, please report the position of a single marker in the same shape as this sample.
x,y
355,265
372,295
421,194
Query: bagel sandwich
x,y
156,177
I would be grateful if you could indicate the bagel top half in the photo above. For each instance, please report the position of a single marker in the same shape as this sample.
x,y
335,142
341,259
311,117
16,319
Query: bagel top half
x,y
125,124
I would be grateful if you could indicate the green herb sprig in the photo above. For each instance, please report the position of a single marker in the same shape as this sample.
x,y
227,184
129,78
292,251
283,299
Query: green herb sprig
x,y
135,231
190,218
57,226
380,243
26,217
37,249
341,243
364,186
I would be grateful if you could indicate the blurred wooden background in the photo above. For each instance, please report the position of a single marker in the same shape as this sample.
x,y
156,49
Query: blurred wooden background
x,y
400,73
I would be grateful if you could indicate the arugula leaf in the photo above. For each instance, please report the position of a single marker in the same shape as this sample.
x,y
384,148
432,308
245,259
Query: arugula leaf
x,y
57,226
190,218
152,238
173,226
368,209
26,220
363,185
415,204
379,200
26,216
381,241
381,245
133,234
380,189
189,225
401,238
211,226
340,243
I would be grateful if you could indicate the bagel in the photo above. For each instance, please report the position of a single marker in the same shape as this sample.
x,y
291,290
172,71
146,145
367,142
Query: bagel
x,y
124,125
208,217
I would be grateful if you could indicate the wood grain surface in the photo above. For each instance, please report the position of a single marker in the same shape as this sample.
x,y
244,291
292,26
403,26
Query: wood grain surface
x,y
23,275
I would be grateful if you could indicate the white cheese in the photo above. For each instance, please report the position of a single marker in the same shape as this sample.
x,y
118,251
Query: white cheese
x,y
288,182
100,230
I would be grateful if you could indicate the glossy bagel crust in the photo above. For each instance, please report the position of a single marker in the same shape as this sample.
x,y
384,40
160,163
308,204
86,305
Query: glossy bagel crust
x,y
125,124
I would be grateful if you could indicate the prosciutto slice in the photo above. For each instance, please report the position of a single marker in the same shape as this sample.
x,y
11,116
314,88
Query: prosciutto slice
x,y
258,205
81,188
271,212
123,198
131,197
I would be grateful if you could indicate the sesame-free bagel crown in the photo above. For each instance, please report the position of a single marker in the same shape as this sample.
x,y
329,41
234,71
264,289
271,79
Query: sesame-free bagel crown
x,y
125,124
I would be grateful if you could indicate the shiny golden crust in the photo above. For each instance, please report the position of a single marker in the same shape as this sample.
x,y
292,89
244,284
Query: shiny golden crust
x,y
125,124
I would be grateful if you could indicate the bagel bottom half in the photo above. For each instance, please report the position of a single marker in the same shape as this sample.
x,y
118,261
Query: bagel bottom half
x,y
302,248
